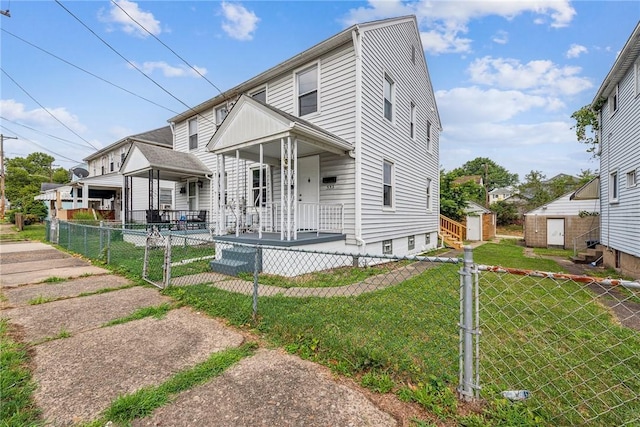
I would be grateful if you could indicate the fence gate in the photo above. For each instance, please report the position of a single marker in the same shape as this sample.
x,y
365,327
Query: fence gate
x,y
157,256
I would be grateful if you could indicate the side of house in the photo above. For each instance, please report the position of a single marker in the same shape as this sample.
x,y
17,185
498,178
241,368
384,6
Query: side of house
x,y
620,159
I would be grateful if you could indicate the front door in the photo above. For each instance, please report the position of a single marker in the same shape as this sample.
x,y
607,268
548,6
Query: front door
x,y
308,187
555,232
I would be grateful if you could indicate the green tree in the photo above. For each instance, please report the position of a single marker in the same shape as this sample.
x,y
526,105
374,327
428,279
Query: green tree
x,y
506,213
454,197
534,191
587,125
493,175
60,176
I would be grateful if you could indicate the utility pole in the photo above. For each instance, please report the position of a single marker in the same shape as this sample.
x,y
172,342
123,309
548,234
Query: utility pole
x,y
2,138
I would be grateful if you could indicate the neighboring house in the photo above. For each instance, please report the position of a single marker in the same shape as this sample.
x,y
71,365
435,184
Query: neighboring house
x,y
619,136
103,187
480,222
559,222
335,148
476,179
57,197
498,194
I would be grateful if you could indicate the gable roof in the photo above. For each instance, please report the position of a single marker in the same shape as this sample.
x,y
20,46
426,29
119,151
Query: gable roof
x,y
325,46
621,66
162,136
174,165
589,191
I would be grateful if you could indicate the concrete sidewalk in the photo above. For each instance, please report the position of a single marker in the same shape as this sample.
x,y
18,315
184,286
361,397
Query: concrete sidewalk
x,y
81,365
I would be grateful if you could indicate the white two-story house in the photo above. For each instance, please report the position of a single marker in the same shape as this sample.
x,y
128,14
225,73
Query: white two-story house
x,y
619,150
335,148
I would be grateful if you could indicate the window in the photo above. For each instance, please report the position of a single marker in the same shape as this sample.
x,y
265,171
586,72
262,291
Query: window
x,y
308,91
221,113
111,164
260,95
613,101
412,123
387,247
428,135
387,184
411,244
102,172
388,98
413,54
613,187
166,198
632,180
192,195
428,194
257,186
193,134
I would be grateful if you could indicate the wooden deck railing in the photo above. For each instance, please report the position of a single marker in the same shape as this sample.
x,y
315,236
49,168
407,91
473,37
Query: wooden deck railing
x,y
453,228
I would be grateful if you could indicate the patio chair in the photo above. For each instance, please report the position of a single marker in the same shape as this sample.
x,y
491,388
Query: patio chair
x,y
154,217
199,220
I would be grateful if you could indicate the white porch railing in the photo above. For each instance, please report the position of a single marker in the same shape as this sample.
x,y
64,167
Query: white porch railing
x,y
311,217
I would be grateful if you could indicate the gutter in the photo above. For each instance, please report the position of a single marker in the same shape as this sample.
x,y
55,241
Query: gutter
x,y
357,47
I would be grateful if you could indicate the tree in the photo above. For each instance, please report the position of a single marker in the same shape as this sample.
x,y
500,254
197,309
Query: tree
x,y
506,213
534,191
494,175
454,197
587,125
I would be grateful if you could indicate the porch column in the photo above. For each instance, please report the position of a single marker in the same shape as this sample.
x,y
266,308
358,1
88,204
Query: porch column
x,y
238,213
294,188
75,197
85,195
215,195
283,160
260,206
221,202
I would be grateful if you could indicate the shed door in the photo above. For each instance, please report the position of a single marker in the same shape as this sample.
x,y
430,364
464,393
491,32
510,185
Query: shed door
x,y
474,228
555,232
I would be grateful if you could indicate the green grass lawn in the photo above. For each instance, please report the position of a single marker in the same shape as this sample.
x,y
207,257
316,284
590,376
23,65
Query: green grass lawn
x,y
29,232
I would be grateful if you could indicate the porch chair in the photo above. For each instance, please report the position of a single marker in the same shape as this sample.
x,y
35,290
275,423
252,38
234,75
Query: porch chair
x,y
199,220
154,217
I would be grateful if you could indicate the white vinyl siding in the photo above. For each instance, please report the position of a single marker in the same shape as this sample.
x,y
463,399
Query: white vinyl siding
x,y
636,78
620,153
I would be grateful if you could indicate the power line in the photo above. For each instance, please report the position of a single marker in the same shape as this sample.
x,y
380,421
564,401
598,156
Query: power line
x,y
39,146
131,63
163,44
89,72
45,109
43,133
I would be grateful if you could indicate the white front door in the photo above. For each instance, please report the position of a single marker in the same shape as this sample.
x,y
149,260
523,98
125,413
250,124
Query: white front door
x,y
555,232
308,187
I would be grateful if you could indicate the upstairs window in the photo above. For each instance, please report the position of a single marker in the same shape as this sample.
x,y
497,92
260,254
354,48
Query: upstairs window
x,y
428,194
260,95
412,121
221,114
388,98
632,179
308,91
413,54
428,135
193,133
613,101
387,184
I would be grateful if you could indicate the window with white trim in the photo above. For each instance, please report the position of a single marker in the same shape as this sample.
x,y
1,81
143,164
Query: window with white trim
x,y
412,121
428,194
428,135
260,95
257,186
613,187
387,184
632,179
111,163
387,247
193,133
221,113
388,97
307,83
413,54
613,101
411,243
166,198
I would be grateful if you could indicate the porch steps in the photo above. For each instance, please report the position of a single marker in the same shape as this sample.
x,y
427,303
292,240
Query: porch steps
x,y
450,240
588,256
235,260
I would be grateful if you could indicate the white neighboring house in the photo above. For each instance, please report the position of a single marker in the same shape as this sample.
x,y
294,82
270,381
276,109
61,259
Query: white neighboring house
x,y
619,152
335,148
498,194
103,187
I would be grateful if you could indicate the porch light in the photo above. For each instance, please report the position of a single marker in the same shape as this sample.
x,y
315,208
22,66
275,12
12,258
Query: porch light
x,y
183,190
200,184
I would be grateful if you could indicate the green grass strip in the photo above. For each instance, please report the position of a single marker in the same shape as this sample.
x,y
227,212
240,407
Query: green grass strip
x,y
144,401
16,386
158,312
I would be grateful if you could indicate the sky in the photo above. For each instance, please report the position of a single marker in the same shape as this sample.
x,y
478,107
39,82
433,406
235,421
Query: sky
x,y
80,75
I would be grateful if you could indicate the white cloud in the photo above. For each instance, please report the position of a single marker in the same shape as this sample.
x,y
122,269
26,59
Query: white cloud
x,y
446,21
539,76
149,67
239,22
16,111
500,37
116,15
576,50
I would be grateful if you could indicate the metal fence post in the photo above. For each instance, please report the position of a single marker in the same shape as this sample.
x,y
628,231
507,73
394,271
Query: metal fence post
x,y
466,385
256,267
167,261
101,238
108,245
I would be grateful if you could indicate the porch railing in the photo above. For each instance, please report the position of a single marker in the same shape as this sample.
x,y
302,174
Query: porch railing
x,y
452,228
173,219
586,240
310,217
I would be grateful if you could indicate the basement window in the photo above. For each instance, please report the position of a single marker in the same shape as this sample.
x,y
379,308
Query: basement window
x,y
387,247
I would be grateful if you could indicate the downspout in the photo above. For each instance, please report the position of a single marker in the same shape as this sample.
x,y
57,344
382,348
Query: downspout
x,y
357,47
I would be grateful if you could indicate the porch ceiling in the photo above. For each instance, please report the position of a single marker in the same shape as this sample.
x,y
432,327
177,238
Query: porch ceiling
x,y
252,123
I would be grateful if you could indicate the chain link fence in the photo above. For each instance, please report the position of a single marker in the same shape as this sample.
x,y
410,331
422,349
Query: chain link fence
x,y
568,346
